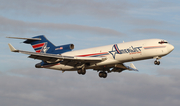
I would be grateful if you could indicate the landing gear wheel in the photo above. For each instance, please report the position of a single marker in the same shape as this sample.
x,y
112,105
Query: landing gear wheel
x,y
81,71
102,74
105,75
157,62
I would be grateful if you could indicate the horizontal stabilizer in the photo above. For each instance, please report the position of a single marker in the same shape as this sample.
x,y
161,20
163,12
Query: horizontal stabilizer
x,y
25,38
12,48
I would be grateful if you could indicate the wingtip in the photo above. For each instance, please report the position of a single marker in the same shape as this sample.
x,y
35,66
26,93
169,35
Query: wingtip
x,y
12,48
133,67
136,70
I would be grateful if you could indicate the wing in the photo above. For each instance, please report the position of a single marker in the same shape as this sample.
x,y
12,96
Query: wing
x,y
66,60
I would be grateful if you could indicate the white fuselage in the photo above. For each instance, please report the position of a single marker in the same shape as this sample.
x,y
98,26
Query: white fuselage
x,y
120,53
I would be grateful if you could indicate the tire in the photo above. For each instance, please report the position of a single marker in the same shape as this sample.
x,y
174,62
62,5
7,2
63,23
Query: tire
x,y
83,71
104,75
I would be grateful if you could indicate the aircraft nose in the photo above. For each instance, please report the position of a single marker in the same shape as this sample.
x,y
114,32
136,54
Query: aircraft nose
x,y
170,48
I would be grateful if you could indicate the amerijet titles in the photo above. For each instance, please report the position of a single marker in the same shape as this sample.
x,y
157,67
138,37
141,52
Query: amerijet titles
x,y
130,50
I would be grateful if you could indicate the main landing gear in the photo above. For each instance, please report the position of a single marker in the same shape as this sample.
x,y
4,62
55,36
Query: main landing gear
x,y
102,74
81,71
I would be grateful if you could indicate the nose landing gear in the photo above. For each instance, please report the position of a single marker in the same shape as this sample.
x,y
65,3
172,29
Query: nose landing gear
x,y
157,62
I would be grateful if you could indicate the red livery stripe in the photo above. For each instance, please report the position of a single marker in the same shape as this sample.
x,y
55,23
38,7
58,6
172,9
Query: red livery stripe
x,y
38,51
38,45
91,54
154,47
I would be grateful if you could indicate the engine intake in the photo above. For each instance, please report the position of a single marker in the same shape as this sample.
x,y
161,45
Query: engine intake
x,y
71,46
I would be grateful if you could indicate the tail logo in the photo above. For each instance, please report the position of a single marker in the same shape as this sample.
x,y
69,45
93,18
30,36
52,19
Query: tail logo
x,y
45,48
41,47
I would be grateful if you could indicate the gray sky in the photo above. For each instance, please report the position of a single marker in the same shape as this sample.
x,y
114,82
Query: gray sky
x,y
89,23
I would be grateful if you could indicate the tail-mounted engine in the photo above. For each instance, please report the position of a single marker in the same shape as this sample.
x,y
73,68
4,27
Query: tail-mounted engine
x,y
63,48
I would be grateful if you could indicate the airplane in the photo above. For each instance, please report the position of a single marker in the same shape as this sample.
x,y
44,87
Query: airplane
x,y
104,59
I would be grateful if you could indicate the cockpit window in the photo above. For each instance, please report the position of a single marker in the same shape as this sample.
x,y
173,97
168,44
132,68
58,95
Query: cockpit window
x,y
162,42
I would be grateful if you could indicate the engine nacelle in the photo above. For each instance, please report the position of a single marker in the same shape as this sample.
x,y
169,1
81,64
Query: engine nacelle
x,y
66,47
63,48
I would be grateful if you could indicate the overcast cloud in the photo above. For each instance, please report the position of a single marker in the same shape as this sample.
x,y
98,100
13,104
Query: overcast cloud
x,y
9,25
66,7
130,13
52,88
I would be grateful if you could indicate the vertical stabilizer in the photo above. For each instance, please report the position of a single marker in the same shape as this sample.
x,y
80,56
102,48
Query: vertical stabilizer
x,y
41,46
